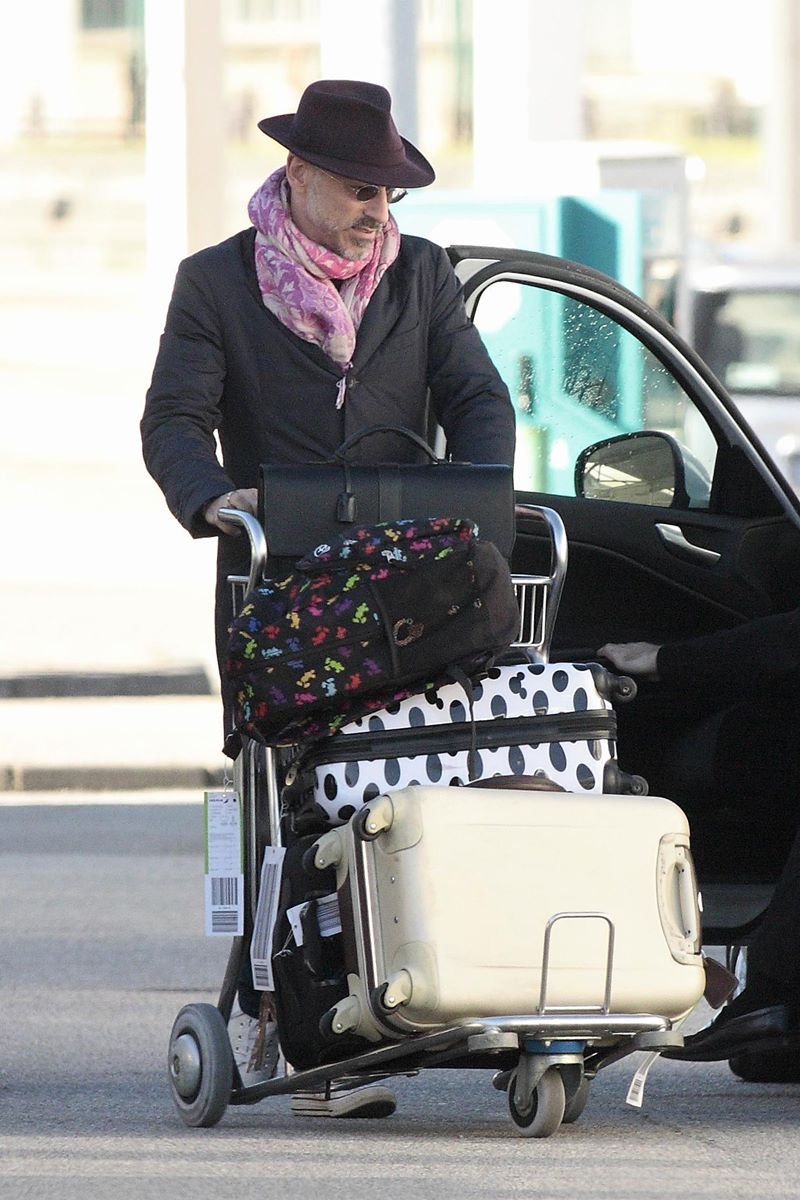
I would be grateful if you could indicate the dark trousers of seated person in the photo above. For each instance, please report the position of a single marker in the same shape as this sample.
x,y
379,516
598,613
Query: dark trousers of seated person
x,y
774,954
745,761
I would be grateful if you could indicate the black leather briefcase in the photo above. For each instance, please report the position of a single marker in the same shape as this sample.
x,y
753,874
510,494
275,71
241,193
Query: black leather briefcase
x,y
301,506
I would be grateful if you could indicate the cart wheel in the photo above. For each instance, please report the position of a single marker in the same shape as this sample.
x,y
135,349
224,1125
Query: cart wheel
x,y
576,1101
545,1110
200,1064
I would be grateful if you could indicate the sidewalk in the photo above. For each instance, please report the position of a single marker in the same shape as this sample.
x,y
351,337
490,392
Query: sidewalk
x,y
107,669
107,673
116,743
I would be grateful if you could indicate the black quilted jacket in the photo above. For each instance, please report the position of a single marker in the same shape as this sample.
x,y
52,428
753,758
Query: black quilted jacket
x,y
227,366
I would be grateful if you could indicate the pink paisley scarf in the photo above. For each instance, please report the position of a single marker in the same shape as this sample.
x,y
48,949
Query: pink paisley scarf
x,y
295,274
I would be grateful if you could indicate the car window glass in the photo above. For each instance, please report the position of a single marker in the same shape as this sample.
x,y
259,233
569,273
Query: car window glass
x,y
577,377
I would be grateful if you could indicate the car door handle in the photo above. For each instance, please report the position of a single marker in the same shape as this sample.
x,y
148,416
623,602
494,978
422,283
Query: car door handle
x,y
673,535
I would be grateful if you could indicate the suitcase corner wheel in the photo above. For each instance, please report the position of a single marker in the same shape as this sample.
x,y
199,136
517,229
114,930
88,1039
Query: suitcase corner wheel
x,y
374,819
367,824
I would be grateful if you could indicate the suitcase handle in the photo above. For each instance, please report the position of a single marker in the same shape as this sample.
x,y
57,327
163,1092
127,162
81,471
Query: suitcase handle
x,y
687,896
678,899
354,439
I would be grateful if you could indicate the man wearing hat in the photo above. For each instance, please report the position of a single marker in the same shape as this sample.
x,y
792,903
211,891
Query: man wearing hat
x,y
318,321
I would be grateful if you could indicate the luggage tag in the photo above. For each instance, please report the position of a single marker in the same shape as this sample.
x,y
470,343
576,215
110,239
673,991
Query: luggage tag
x,y
720,986
224,864
328,917
269,892
635,1094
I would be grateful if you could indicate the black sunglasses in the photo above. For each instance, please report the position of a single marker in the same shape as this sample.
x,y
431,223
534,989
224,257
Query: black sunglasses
x,y
365,192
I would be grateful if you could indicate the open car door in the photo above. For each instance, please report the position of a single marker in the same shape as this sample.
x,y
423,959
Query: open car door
x,y
678,523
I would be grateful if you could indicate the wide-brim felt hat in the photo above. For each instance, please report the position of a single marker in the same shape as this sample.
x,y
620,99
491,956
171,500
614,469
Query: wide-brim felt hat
x,y
346,127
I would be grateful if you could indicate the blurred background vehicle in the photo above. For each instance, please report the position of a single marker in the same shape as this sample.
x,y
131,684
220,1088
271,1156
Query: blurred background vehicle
x,y
742,315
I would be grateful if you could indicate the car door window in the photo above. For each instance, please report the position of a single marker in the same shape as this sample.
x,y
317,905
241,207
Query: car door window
x,y
576,378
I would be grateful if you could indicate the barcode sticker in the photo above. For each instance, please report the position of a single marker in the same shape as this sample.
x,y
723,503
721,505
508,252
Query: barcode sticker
x,y
328,918
224,908
265,918
224,877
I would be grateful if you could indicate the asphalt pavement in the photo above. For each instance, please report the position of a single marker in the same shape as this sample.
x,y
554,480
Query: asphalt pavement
x,y
102,944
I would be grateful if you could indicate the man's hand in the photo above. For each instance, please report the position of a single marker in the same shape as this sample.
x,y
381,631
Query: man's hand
x,y
243,498
632,658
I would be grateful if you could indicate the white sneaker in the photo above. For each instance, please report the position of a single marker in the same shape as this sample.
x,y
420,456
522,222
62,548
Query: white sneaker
x,y
255,1050
344,1098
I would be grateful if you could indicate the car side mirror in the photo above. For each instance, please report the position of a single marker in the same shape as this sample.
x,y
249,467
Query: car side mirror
x,y
636,468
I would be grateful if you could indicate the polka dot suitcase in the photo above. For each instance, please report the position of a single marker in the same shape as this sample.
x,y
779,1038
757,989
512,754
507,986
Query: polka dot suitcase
x,y
555,720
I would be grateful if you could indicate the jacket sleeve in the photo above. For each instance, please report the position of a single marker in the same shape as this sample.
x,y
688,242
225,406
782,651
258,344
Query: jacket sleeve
x,y
182,408
470,400
752,655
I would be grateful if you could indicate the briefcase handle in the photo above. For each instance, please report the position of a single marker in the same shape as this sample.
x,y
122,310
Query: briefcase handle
x,y
347,445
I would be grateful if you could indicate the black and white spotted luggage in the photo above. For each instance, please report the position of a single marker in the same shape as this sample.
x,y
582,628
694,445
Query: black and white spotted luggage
x,y
527,719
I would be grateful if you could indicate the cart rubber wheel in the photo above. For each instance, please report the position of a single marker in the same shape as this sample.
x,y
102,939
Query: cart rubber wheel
x,y
200,1065
576,1103
545,1110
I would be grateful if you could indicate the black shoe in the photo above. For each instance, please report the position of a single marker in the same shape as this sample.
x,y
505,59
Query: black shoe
x,y
728,1036
771,1063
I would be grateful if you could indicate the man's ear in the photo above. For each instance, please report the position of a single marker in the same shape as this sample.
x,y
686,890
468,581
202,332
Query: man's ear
x,y
297,171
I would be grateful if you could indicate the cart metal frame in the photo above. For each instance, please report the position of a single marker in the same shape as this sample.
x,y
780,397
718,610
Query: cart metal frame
x,y
544,1060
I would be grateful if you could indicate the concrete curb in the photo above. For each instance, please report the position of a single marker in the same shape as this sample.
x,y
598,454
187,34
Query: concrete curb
x,y
107,779
179,681
111,731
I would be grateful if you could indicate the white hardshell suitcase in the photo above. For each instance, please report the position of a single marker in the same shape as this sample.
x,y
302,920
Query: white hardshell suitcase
x,y
489,902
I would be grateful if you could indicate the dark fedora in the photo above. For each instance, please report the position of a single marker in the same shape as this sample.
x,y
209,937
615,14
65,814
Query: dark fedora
x,y
346,127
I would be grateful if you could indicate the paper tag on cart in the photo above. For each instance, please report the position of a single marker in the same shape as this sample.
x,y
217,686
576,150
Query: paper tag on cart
x,y
635,1094
328,918
224,870
269,891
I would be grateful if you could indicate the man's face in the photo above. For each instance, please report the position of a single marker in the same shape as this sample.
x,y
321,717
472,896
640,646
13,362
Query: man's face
x,y
325,209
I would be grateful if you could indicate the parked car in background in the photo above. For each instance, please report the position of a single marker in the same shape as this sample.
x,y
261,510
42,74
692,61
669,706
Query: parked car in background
x,y
742,315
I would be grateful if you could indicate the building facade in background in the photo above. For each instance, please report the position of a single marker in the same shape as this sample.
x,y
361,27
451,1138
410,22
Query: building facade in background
x,y
90,80
645,74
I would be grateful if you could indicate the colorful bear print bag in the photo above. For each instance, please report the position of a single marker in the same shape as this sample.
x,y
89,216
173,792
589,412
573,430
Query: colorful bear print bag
x,y
380,609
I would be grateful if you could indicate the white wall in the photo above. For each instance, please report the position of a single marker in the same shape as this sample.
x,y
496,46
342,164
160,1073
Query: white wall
x,y
528,68
37,66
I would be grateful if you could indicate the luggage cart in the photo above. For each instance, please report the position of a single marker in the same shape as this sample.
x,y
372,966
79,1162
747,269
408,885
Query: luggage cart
x,y
544,1060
